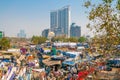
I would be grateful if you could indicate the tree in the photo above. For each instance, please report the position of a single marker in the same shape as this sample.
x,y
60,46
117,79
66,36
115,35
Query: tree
x,y
35,39
60,38
38,39
105,20
82,39
42,40
4,43
73,39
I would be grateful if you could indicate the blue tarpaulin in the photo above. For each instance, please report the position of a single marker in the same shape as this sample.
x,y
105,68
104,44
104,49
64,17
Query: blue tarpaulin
x,y
69,54
69,63
6,60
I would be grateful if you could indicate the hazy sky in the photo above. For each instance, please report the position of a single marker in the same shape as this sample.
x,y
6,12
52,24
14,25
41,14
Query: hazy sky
x,y
33,16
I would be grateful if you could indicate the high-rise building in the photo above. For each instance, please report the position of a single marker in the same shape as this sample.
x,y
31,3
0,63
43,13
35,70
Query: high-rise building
x,y
53,20
45,32
75,31
21,34
60,21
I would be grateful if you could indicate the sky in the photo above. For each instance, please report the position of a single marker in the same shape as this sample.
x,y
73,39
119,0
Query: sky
x,y
33,16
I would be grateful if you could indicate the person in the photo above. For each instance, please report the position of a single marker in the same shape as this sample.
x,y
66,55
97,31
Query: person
x,y
12,59
41,50
40,57
23,50
69,76
28,72
53,51
81,56
22,63
48,70
73,70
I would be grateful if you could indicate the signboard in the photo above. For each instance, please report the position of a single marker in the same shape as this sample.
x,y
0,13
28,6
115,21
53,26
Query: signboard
x,y
1,34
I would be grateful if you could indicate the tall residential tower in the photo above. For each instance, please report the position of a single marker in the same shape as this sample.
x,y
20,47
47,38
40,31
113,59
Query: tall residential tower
x,y
60,21
75,31
45,33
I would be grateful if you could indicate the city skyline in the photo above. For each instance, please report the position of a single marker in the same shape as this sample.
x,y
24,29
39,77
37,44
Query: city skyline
x,y
60,21
21,34
32,16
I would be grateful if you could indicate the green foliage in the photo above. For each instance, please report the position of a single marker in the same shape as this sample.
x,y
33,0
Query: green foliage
x,y
105,20
38,39
73,39
108,1
59,38
64,39
118,5
4,43
82,39
87,4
